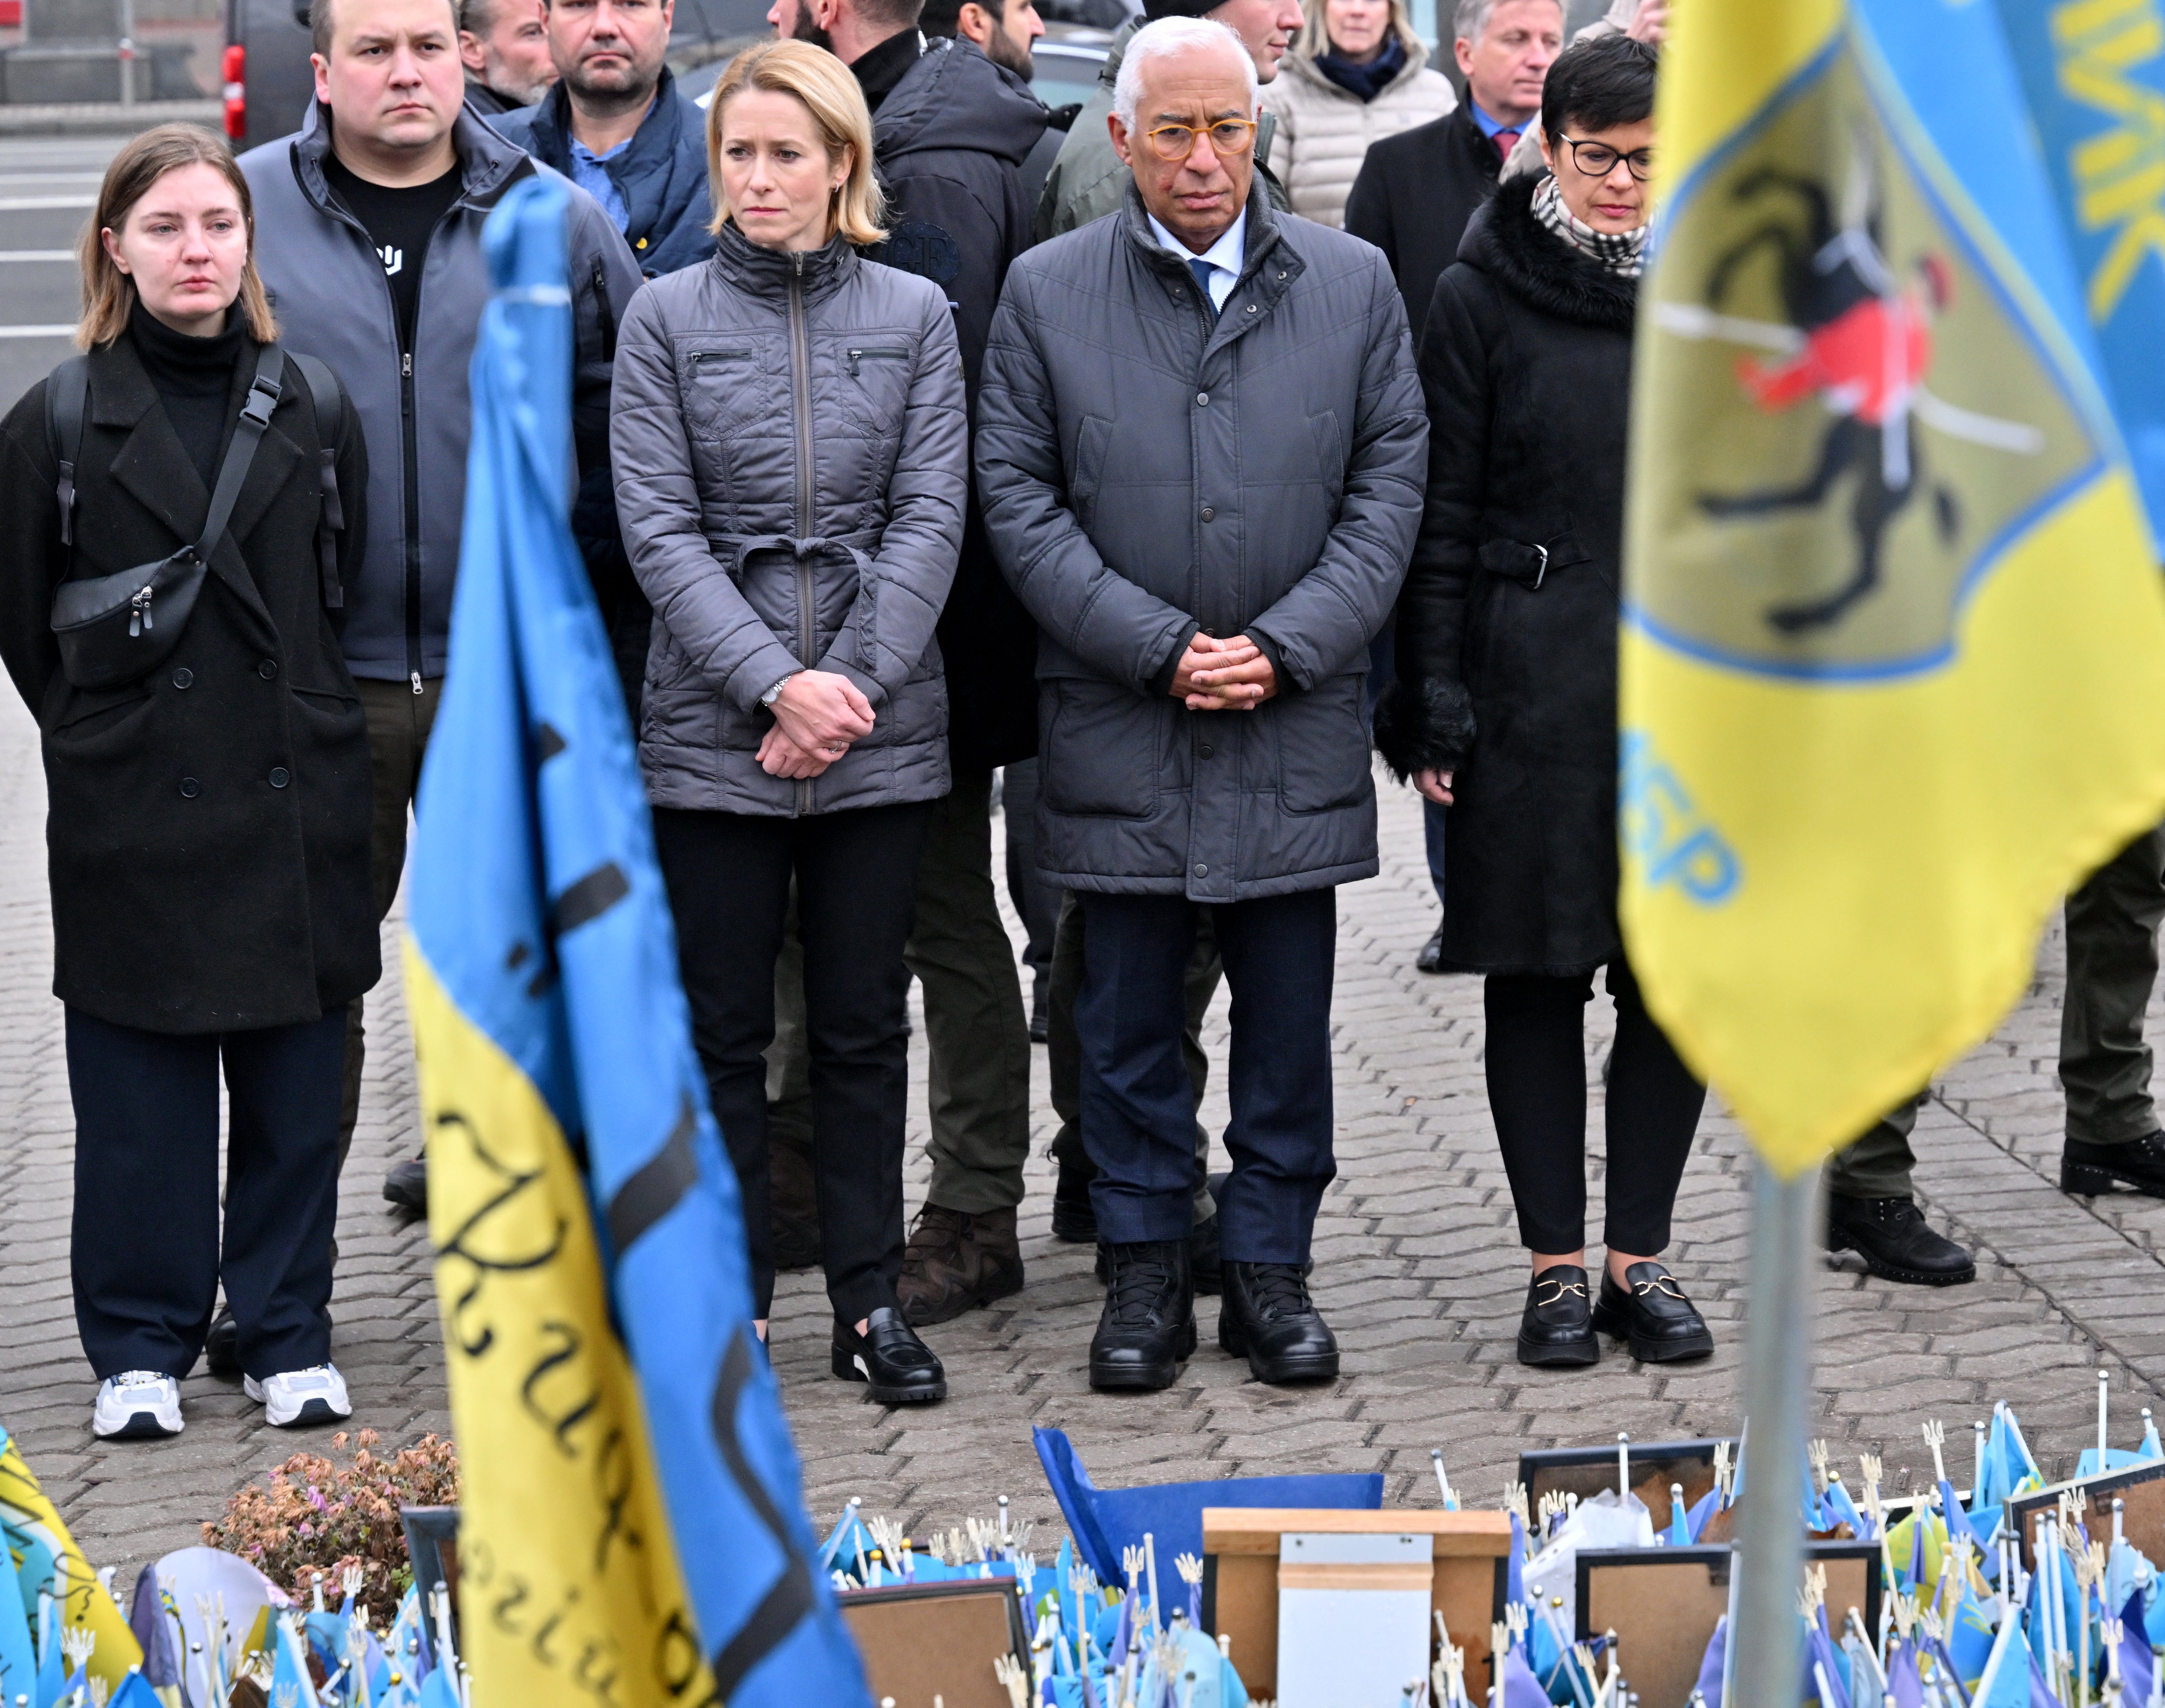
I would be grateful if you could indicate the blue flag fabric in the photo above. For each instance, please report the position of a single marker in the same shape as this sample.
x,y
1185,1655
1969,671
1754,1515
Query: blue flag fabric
x,y
2094,80
1104,1521
537,905
1715,1662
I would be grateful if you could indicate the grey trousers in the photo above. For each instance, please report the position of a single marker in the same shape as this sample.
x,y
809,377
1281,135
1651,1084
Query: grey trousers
x,y
977,1032
2104,1064
1064,1054
2112,966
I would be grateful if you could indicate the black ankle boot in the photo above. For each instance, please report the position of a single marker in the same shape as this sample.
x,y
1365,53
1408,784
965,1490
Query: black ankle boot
x,y
900,1369
1267,1317
2091,1169
1895,1241
1073,1221
1557,1325
1148,1322
1662,1325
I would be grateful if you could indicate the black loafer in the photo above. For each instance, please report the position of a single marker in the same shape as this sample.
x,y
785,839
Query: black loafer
x,y
1431,958
1662,1325
1557,1325
2091,1169
1148,1326
1268,1319
222,1347
406,1186
1073,1220
899,1368
1895,1241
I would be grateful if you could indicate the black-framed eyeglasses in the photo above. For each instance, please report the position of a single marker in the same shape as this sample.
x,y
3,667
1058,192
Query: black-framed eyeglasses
x,y
1228,136
1596,159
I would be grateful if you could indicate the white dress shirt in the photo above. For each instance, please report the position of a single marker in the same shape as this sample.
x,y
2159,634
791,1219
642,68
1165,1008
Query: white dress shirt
x,y
1224,256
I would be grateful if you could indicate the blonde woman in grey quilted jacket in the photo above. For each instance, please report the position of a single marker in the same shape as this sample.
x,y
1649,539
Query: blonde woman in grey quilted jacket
x,y
1358,73
791,446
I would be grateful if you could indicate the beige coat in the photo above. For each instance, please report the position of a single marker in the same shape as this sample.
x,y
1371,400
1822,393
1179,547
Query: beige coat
x,y
1324,133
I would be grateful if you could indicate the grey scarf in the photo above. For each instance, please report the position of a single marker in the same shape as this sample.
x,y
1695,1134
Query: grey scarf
x,y
1622,252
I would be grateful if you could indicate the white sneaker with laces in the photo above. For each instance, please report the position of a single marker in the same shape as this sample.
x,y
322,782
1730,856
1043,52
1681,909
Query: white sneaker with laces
x,y
137,1404
313,1396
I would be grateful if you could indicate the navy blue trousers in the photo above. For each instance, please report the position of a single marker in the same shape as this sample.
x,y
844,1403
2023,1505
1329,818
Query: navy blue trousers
x,y
1138,1106
146,1253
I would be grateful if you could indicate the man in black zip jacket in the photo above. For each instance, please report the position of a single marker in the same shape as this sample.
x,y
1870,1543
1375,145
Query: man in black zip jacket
x,y
368,225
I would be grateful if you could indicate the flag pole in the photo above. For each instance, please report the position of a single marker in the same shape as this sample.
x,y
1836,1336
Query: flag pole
x,y
1778,1380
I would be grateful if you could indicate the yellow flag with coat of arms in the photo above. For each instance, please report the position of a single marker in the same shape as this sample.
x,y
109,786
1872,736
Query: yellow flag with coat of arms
x,y
1892,664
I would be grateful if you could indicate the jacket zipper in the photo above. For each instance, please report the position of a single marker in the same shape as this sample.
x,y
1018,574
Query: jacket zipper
x,y
851,357
410,444
800,389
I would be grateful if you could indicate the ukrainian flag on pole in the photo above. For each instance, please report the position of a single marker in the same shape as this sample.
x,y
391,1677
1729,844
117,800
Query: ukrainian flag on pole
x,y
1893,659
632,1528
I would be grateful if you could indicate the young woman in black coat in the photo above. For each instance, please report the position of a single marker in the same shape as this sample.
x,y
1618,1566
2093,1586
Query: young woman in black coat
x,y
1505,705
208,810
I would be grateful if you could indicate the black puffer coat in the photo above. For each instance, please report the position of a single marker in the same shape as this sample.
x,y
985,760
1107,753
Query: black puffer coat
x,y
207,826
1507,625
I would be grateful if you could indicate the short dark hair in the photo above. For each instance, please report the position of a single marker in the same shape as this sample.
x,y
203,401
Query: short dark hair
x,y
1598,84
897,15
321,27
942,18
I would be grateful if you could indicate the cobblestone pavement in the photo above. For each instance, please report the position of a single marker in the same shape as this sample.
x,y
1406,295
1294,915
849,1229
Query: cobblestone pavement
x,y
1418,1267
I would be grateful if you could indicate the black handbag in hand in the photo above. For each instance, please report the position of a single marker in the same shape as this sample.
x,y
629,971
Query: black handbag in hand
x,y
117,629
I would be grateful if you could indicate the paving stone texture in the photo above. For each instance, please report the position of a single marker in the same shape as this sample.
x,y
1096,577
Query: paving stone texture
x,y
1417,1267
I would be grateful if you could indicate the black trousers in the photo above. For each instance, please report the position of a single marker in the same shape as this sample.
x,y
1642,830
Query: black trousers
x,y
1536,1070
1138,1103
728,875
146,1254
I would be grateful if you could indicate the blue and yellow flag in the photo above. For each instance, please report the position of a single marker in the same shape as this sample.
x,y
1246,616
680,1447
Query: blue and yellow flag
x,y
632,1528
1893,660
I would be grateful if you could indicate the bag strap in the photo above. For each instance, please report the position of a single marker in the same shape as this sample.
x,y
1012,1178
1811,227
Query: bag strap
x,y
240,453
67,392
330,521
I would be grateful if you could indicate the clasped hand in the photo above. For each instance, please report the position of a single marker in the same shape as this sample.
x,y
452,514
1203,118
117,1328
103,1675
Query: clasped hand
x,y
817,716
1223,675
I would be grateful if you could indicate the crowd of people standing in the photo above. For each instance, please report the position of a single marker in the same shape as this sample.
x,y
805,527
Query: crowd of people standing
x,y
1158,474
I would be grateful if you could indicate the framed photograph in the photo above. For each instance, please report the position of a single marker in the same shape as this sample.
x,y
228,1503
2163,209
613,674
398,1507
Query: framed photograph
x,y
432,1544
919,1641
2139,1489
1656,1468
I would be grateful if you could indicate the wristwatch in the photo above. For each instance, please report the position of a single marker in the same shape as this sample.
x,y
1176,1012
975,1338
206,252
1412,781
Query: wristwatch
x,y
775,693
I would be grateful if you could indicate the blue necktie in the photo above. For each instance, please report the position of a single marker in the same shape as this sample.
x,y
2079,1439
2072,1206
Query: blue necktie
x,y
1203,269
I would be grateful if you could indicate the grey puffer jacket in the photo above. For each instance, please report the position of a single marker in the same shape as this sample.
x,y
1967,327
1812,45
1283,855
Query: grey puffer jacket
x,y
791,457
1146,470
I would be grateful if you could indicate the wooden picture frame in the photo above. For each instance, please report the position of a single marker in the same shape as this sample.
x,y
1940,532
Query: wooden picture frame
x,y
2140,1487
1656,1468
1663,1604
1241,1546
917,1640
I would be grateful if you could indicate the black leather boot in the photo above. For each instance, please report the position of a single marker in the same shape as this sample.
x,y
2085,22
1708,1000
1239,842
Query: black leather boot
x,y
1557,1326
222,1349
900,1369
1895,1241
1149,1322
1073,1220
1268,1318
1662,1325
1205,1265
2090,1169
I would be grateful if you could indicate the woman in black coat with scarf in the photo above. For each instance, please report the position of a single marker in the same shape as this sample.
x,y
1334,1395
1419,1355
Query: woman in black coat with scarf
x,y
1505,705
207,779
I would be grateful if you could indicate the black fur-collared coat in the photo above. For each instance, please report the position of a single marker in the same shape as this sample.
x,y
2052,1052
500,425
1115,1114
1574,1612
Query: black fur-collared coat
x,y
1507,625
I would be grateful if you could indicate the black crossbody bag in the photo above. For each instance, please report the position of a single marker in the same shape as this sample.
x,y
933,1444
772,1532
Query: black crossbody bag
x,y
114,629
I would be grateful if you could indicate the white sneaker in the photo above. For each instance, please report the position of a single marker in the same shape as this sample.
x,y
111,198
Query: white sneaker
x,y
137,1404
313,1396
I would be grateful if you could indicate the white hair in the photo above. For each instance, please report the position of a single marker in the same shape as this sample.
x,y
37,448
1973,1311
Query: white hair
x,y
1164,39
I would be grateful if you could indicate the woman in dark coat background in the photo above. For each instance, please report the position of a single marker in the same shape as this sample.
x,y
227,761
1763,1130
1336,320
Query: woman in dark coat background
x,y
1505,705
208,822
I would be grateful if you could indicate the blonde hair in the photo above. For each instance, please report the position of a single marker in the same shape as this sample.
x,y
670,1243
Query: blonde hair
x,y
828,90
108,295
1314,40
